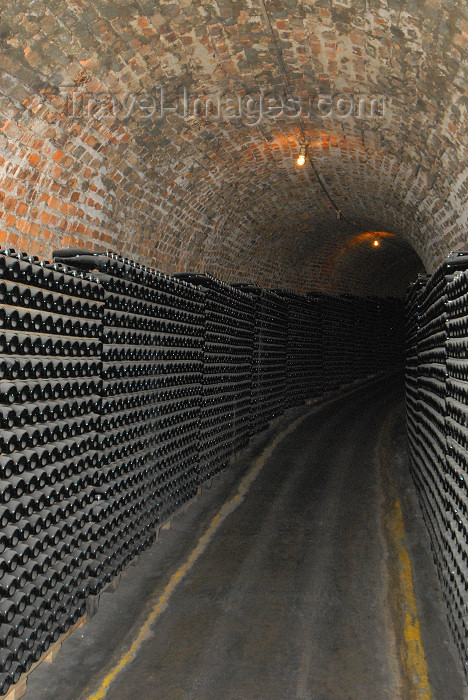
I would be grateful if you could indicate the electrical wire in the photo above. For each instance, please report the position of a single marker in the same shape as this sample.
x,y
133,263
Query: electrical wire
x,y
283,68
318,177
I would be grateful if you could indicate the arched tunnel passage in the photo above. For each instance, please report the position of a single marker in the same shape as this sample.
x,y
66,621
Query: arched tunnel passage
x,y
203,286
99,148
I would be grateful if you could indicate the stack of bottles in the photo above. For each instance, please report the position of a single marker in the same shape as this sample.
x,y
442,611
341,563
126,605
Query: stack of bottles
x,y
456,574
390,336
269,378
304,347
427,432
412,327
227,376
348,347
151,385
316,363
362,334
361,337
49,395
333,340
241,329
437,417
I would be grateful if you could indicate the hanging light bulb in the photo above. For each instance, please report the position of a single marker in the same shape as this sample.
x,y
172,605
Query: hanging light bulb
x,y
376,243
301,158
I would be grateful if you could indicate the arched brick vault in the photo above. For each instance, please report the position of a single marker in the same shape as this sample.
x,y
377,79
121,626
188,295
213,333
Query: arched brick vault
x,y
227,197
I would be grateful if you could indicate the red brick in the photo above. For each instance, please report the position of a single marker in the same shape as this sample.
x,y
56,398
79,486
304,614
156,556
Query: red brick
x,y
34,159
57,156
56,172
36,248
10,203
53,202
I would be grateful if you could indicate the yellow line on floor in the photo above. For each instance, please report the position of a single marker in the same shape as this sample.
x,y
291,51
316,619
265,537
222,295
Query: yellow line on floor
x,y
413,657
162,601
414,681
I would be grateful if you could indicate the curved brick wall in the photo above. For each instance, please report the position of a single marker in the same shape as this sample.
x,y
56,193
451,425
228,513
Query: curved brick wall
x,y
226,197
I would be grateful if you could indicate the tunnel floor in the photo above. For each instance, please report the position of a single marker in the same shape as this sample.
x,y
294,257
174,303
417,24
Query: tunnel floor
x,y
296,594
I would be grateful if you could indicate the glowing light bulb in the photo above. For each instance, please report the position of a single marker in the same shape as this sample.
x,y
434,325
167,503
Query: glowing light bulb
x,y
376,243
301,159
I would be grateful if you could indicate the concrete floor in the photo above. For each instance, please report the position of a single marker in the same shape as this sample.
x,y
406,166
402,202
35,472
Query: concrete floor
x,y
294,595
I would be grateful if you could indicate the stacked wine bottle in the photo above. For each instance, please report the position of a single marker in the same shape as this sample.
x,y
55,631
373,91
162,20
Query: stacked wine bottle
x,y
389,334
268,360
456,479
428,432
227,376
347,309
49,394
241,331
151,372
334,349
412,328
437,418
361,335
304,351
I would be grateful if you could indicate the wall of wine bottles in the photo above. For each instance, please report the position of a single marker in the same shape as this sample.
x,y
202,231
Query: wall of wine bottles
x,y
50,359
268,357
226,382
122,390
305,347
437,420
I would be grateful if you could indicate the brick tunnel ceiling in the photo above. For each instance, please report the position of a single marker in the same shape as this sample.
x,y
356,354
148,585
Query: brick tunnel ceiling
x,y
226,196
